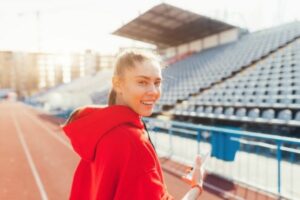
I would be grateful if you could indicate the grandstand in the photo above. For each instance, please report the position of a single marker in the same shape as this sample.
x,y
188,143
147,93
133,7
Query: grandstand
x,y
265,92
62,99
204,69
255,79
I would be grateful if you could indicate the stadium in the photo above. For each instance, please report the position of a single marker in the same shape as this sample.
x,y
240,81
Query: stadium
x,y
225,90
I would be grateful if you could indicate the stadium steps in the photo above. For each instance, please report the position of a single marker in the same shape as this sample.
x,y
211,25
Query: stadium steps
x,y
211,66
244,70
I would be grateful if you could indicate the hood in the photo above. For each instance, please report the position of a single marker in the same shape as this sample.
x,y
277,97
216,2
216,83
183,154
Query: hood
x,y
91,124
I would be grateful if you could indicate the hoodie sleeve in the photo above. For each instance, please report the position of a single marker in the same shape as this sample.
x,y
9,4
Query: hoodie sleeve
x,y
149,186
119,172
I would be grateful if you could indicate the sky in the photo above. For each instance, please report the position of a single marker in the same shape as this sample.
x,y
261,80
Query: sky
x,y
77,25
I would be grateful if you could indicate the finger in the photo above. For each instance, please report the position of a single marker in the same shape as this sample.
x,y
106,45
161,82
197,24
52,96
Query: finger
x,y
170,197
198,161
165,197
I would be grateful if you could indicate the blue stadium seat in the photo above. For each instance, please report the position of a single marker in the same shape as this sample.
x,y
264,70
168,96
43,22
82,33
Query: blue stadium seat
x,y
229,111
254,113
200,109
271,100
297,116
287,91
286,100
241,112
259,100
208,110
218,111
285,115
268,114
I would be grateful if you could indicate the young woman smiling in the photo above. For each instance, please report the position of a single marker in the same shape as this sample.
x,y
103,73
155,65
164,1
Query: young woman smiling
x,y
118,160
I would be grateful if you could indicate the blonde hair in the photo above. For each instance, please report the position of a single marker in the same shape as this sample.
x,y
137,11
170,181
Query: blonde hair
x,y
127,60
77,112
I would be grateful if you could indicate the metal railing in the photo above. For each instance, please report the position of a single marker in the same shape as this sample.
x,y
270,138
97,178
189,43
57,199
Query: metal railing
x,y
263,161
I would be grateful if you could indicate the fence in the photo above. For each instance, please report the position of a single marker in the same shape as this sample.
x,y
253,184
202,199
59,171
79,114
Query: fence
x,y
267,162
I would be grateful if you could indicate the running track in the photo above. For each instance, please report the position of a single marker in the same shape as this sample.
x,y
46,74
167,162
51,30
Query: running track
x,y
37,161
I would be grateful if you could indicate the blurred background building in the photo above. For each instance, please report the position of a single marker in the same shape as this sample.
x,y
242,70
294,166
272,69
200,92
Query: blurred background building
x,y
29,73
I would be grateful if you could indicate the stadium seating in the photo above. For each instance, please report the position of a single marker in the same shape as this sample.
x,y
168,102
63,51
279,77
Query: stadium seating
x,y
267,91
239,81
211,66
82,91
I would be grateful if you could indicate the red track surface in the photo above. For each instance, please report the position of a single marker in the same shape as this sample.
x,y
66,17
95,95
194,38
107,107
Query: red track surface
x,y
37,161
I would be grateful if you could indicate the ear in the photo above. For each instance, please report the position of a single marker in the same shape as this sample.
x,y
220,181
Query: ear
x,y
116,83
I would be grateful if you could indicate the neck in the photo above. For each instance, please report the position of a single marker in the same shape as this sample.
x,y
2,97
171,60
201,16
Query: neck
x,y
120,101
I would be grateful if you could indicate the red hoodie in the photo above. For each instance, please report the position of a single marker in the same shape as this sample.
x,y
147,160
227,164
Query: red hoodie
x,y
117,160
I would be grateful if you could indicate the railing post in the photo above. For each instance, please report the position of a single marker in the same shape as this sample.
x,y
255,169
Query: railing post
x,y
198,140
170,139
279,157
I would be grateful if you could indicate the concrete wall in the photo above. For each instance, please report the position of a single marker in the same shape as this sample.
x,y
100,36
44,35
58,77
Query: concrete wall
x,y
204,43
210,41
229,36
196,45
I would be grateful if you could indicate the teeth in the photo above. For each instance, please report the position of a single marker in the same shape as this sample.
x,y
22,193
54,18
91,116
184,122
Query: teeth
x,y
147,102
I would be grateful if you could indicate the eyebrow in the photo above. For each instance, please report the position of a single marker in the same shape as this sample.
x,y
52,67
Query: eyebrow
x,y
148,78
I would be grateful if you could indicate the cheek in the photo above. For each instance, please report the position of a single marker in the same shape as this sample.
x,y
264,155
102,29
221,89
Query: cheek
x,y
134,92
159,92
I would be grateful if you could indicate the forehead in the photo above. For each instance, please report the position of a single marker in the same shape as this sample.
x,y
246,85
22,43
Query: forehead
x,y
149,69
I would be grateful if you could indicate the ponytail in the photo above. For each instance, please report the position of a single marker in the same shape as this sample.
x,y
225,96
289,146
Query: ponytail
x,y
112,97
72,116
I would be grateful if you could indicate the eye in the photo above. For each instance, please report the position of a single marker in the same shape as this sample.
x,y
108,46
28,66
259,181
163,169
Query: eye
x,y
157,84
142,83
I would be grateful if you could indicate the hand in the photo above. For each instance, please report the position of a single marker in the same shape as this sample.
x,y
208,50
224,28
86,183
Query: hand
x,y
167,196
198,172
195,178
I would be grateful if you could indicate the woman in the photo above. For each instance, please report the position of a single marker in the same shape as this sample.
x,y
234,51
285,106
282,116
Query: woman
x,y
118,160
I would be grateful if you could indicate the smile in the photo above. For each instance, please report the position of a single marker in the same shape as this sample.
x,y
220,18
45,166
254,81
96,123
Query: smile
x,y
148,103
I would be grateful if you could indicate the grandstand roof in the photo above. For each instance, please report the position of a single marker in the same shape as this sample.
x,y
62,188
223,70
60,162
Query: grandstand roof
x,y
165,25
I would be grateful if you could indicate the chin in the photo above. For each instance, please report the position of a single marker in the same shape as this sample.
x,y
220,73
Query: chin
x,y
146,114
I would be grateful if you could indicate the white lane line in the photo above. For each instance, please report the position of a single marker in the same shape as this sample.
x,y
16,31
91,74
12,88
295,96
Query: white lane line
x,y
53,134
30,160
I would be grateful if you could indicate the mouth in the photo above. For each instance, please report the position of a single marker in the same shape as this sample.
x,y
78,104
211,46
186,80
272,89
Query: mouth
x,y
148,103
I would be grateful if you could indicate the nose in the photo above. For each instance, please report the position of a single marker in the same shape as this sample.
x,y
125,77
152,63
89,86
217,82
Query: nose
x,y
153,89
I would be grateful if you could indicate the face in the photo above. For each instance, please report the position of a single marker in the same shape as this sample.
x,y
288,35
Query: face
x,y
139,87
